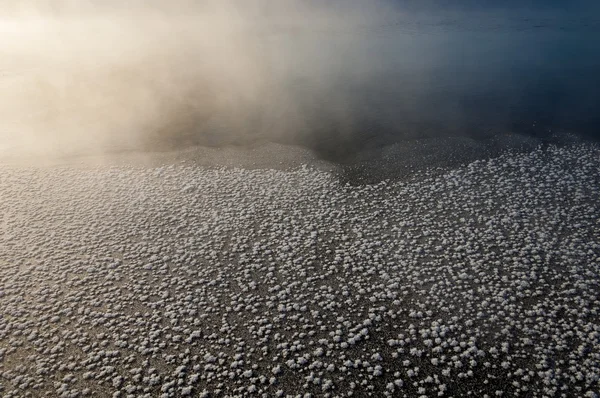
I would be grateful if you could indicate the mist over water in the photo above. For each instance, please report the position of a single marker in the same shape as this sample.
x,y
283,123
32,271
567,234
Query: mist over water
x,y
337,77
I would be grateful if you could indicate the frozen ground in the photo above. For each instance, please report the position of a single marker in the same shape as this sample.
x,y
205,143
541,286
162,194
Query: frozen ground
x,y
135,279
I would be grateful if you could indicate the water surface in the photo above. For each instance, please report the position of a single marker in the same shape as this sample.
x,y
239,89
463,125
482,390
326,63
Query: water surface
x,y
478,75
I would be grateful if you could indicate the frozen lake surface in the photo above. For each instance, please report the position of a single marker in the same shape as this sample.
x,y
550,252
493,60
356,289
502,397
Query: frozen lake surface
x,y
405,208
178,279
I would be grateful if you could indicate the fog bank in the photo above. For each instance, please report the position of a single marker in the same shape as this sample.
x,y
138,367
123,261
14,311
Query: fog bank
x,y
79,77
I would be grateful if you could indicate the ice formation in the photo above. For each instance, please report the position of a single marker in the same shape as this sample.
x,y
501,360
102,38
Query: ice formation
x,y
180,280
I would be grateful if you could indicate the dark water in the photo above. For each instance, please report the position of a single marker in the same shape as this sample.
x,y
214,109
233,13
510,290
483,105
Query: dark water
x,y
446,79
476,76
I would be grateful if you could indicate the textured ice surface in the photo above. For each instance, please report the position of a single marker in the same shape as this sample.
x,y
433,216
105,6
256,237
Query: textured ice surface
x,y
184,280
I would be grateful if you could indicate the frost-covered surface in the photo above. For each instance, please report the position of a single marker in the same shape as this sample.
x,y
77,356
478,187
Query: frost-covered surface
x,y
188,281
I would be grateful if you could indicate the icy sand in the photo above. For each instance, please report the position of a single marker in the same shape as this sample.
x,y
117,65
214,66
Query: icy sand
x,y
134,280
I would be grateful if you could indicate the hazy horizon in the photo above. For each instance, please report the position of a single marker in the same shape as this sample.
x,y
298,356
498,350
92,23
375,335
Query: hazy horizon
x,y
328,75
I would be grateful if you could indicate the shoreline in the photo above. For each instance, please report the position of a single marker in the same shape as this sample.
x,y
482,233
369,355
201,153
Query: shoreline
x,y
394,161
